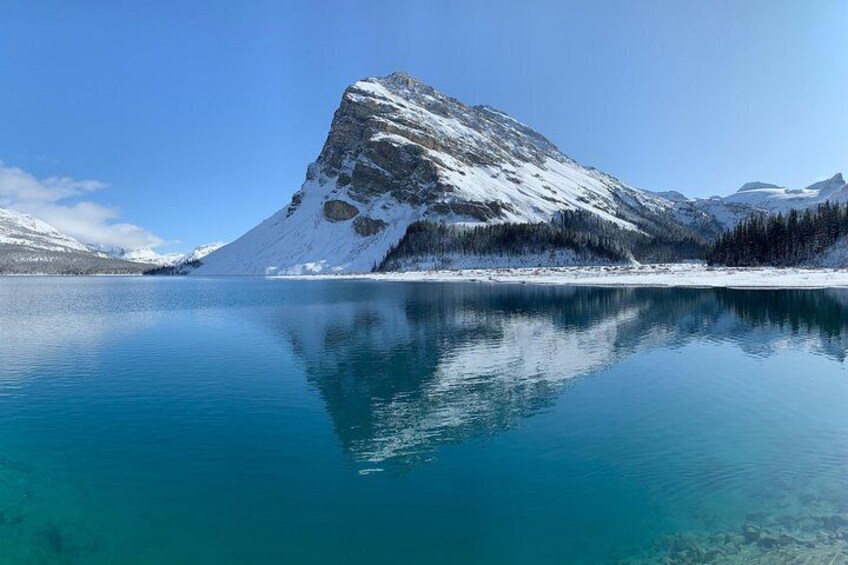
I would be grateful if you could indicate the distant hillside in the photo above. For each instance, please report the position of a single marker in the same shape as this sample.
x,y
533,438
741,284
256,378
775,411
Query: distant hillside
x,y
185,264
31,246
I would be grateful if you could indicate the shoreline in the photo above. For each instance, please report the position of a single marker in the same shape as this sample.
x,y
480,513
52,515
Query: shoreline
x,y
665,275
672,275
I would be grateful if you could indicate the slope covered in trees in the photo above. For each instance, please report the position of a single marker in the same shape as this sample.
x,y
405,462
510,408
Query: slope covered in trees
x,y
573,237
796,238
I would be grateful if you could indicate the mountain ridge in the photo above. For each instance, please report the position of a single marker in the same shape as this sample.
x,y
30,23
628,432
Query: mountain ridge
x,y
399,152
31,246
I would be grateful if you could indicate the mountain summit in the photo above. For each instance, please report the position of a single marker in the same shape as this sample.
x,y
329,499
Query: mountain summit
x,y
400,152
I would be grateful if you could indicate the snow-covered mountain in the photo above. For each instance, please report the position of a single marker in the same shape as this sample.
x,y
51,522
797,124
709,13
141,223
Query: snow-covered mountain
x,y
399,151
185,263
145,255
24,230
30,245
151,257
199,252
773,198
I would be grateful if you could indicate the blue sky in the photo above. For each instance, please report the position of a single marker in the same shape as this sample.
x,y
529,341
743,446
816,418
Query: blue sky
x,y
193,121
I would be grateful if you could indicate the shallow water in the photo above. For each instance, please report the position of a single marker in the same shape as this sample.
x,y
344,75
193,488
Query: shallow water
x,y
266,421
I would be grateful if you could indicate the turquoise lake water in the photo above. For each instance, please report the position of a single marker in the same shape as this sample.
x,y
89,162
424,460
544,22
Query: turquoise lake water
x,y
188,420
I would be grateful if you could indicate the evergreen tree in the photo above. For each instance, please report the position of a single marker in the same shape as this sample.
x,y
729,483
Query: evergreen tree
x,y
779,240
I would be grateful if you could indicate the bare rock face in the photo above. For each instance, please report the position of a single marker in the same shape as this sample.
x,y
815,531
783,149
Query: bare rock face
x,y
379,144
481,211
339,210
296,199
366,226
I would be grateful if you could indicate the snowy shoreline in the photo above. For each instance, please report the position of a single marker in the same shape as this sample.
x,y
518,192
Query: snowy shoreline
x,y
664,275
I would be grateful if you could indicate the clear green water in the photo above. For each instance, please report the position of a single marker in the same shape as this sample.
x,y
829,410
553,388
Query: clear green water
x,y
261,421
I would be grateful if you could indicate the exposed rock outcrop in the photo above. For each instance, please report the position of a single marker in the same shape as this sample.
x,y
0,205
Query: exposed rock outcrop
x,y
366,227
339,210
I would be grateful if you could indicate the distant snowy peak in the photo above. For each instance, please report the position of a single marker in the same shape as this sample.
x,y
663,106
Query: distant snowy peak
x,y
145,255
399,151
828,186
186,263
772,198
24,230
200,252
756,185
151,257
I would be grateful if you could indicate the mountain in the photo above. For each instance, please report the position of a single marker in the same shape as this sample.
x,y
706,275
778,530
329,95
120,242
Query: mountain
x,y
145,255
184,263
31,246
151,257
774,199
199,252
25,231
400,152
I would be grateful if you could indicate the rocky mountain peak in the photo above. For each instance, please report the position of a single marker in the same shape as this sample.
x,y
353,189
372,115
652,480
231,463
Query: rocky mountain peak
x,y
404,81
396,135
398,152
836,182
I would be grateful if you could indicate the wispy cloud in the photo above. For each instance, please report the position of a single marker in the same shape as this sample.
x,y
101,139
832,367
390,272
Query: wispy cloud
x,y
60,201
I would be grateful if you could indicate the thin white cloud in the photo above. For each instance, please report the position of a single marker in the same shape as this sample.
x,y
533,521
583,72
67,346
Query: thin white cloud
x,y
57,201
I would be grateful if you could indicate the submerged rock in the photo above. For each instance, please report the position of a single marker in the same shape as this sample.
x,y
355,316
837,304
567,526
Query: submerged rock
x,y
54,540
750,533
10,520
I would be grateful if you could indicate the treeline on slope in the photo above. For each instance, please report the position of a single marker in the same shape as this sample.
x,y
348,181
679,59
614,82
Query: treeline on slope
x,y
25,260
174,270
587,236
781,240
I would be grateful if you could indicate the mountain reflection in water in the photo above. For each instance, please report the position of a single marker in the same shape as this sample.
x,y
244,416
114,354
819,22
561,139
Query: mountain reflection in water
x,y
404,368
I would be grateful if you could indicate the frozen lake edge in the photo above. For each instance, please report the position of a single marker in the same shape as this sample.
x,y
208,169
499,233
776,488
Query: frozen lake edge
x,y
659,275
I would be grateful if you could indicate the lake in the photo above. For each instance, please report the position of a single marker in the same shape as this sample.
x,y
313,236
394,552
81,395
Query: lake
x,y
189,420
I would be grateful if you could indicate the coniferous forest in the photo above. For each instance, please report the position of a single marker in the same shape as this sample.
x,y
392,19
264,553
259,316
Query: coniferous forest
x,y
782,240
589,237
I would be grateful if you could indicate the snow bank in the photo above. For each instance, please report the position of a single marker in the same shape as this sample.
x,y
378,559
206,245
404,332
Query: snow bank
x,y
665,275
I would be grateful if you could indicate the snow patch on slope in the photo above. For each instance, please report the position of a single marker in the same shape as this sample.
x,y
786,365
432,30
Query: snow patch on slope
x,y
24,230
307,243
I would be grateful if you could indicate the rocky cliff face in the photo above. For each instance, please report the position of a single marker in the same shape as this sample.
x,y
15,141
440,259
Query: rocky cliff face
x,y
400,151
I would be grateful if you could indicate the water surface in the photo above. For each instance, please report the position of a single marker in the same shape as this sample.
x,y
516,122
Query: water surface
x,y
266,421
